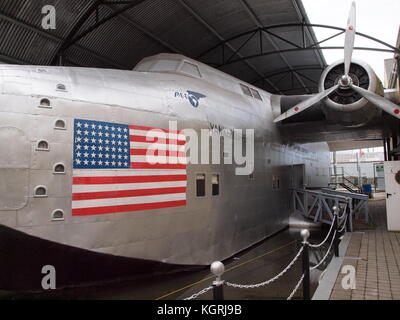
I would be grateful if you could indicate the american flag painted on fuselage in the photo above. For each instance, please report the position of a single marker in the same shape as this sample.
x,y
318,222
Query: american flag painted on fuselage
x,y
123,168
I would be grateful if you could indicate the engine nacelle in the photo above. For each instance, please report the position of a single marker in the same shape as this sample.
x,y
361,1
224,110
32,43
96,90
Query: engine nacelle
x,y
344,105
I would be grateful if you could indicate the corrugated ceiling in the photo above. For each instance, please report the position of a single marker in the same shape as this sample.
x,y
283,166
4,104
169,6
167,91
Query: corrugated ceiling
x,y
189,27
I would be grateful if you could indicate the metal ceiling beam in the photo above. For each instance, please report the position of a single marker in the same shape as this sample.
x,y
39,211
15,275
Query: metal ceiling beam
x,y
288,25
312,89
148,33
7,59
11,60
294,50
92,8
111,5
216,34
116,13
305,77
268,36
298,6
57,39
26,26
302,68
284,71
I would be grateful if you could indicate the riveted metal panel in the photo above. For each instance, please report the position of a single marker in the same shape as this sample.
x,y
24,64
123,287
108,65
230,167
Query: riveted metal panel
x,y
247,207
14,168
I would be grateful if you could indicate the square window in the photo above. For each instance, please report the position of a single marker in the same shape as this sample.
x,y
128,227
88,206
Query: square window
x,y
215,184
256,94
201,185
191,69
246,90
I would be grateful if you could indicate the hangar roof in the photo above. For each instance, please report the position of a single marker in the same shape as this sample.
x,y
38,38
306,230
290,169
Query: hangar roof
x,y
120,33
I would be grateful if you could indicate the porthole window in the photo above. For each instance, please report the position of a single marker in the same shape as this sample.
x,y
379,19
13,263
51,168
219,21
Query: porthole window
x,y
59,168
59,124
42,145
201,185
45,103
215,184
40,191
61,87
57,215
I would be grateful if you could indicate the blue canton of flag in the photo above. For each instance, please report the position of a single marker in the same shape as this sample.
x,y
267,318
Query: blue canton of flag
x,y
101,145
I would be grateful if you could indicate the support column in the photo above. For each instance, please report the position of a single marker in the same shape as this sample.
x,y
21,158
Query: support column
x,y
385,150
395,143
388,148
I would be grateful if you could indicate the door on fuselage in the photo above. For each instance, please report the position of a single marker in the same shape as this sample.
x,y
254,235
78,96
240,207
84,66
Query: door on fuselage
x,y
297,176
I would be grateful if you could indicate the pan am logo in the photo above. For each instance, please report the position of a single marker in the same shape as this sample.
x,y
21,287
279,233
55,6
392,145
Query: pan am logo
x,y
192,96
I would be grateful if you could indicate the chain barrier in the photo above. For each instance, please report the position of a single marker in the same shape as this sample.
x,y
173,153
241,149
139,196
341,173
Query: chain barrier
x,y
344,215
217,268
251,286
344,224
296,288
344,212
194,296
327,236
327,253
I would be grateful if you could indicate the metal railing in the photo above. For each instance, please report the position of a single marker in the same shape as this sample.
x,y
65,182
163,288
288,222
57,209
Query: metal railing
x,y
338,225
338,177
358,204
316,205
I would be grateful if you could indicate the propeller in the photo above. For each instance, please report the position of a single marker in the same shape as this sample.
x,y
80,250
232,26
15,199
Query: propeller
x,y
345,81
379,101
349,39
306,104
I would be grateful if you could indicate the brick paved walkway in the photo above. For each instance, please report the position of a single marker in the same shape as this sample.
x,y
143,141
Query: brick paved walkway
x,y
375,253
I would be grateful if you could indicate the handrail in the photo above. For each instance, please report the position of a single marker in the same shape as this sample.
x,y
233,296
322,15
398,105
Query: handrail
x,y
316,204
342,175
218,268
344,198
358,196
352,183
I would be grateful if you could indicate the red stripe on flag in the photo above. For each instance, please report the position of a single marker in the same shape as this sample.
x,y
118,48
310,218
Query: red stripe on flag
x,y
143,128
127,208
126,193
156,140
157,152
146,165
128,179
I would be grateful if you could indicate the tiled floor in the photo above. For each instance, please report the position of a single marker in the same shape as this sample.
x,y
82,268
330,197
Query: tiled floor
x,y
375,254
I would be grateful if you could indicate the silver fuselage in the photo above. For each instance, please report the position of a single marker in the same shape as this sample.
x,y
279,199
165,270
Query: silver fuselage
x,y
208,228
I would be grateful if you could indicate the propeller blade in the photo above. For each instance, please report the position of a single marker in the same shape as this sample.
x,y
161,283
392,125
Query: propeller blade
x,y
306,104
349,38
378,101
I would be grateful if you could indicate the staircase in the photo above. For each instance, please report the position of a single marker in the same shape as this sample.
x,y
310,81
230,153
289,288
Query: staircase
x,y
338,179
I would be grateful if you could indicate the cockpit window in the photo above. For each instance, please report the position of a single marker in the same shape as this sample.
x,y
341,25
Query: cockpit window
x,y
256,94
246,90
144,66
191,69
165,65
